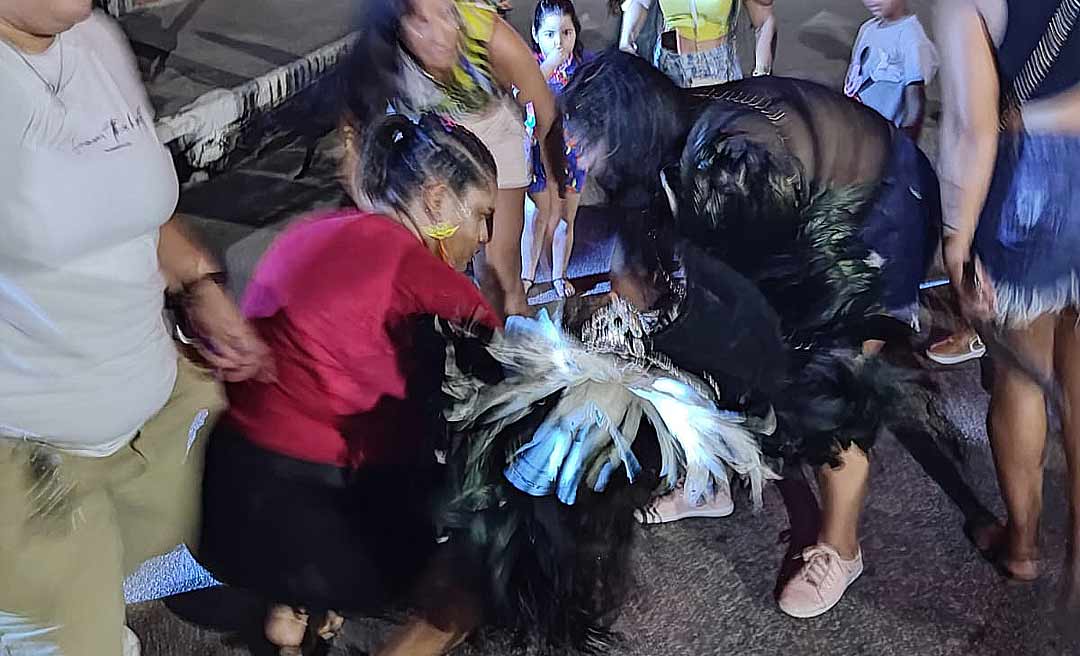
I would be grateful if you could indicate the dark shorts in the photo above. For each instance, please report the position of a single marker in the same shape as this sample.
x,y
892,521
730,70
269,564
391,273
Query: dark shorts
x,y
313,535
903,226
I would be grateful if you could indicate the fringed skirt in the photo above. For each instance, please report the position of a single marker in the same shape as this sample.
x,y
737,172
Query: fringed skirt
x,y
1029,234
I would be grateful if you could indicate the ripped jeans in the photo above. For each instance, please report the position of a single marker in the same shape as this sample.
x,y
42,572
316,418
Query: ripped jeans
x,y
72,527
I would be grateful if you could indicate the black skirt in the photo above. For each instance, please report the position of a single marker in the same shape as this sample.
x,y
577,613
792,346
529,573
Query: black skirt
x,y
314,535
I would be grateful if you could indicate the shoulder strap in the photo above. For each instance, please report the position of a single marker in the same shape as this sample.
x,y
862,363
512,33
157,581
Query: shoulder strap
x,y
1042,58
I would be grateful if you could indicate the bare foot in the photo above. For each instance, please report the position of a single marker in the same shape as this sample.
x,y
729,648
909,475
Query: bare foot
x,y
992,542
285,627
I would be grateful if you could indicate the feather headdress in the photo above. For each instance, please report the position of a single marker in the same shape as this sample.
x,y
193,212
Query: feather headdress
x,y
594,419
552,461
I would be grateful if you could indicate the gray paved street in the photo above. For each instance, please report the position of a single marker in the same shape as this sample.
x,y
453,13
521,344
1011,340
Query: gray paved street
x,y
704,587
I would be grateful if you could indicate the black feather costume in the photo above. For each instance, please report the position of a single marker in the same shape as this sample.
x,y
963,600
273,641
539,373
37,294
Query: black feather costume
x,y
746,213
827,209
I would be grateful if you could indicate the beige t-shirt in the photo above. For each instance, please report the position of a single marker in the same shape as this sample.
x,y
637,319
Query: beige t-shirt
x,y
85,357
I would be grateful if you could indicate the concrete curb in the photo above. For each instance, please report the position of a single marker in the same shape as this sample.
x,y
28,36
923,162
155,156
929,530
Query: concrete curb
x,y
206,131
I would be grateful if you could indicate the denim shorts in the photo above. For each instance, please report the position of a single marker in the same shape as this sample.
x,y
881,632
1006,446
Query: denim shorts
x,y
699,69
1029,233
903,227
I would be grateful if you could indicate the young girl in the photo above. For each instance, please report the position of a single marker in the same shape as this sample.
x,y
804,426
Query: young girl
x,y
557,49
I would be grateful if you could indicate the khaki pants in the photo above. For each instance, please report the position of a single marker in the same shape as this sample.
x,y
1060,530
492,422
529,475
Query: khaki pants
x,y
72,527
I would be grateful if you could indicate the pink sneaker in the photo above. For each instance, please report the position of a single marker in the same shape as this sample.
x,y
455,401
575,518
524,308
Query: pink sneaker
x,y
673,506
821,582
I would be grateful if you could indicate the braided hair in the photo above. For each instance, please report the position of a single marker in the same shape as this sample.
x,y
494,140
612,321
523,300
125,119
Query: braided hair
x,y
397,156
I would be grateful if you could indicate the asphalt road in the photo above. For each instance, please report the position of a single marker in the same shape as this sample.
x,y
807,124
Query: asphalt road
x,y
706,586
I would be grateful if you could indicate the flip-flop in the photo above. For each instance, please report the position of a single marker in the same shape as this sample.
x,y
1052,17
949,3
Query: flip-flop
x,y
566,290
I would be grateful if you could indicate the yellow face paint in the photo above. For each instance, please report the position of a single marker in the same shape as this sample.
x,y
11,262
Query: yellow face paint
x,y
441,231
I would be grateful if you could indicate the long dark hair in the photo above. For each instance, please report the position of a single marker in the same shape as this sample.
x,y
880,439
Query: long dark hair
x,y
643,133
368,78
398,156
564,7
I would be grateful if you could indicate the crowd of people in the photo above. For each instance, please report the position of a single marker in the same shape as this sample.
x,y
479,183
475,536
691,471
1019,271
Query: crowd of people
x,y
384,421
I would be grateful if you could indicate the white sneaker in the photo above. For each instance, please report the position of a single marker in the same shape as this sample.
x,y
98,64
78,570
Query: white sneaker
x,y
821,583
673,506
132,647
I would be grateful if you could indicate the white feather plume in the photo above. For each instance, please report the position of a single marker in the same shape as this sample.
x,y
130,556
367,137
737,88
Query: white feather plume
x,y
591,428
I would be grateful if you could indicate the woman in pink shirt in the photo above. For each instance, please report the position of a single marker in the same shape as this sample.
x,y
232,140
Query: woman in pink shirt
x,y
318,485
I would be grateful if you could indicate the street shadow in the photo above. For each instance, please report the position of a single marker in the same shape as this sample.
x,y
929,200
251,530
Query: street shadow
x,y
926,444
258,199
269,54
931,436
156,42
804,522
203,74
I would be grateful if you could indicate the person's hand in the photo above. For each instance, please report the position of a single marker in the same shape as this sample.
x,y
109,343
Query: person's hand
x,y
969,279
556,58
224,338
628,47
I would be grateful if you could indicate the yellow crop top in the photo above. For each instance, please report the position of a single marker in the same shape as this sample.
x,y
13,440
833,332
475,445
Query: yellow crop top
x,y
713,17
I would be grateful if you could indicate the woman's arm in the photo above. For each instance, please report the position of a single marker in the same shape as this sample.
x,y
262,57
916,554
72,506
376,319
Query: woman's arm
x,y
1059,113
515,66
969,125
764,22
969,139
182,261
634,14
226,340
